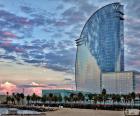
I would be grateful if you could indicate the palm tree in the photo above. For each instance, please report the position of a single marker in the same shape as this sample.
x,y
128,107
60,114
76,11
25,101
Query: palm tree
x,y
38,99
71,97
22,97
28,98
133,96
95,99
55,98
113,97
7,93
50,97
60,98
104,92
126,98
66,98
17,97
13,97
12,100
129,99
100,98
139,97
75,98
104,95
90,97
7,99
80,96
34,97
118,98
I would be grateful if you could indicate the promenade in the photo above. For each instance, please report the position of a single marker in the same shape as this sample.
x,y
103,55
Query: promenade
x,y
84,112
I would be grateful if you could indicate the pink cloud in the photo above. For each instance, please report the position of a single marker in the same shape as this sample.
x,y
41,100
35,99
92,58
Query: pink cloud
x,y
9,34
6,43
7,87
31,88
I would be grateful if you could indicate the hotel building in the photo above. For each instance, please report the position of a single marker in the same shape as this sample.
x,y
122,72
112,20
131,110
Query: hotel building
x,y
100,53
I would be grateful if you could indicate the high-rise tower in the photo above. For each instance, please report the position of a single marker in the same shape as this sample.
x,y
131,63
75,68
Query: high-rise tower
x,y
100,47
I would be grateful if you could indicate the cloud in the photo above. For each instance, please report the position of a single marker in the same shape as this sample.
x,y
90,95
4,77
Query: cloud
x,y
13,58
72,16
7,34
42,37
132,8
59,7
84,6
31,88
7,87
26,9
33,85
56,55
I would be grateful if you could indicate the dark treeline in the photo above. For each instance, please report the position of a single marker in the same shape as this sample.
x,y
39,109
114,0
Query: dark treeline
x,y
78,100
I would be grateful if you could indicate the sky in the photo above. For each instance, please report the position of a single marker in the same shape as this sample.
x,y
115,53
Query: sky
x,y
37,41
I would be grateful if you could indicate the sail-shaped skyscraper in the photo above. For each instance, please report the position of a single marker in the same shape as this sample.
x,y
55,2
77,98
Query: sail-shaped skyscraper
x,y
100,47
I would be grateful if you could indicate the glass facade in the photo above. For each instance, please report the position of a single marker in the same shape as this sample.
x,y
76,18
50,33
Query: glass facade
x,y
137,82
118,82
100,47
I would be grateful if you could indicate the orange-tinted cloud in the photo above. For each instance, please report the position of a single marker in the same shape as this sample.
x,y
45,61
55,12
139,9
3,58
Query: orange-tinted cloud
x,y
30,88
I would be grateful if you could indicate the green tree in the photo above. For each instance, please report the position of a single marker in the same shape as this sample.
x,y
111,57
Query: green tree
x,y
22,98
139,97
44,99
80,96
7,99
133,96
50,97
129,99
95,99
71,97
118,98
90,97
13,98
55,98
75,98
104,95
17,97
60,98
100,98
113,97
38,99
126,98
34,97
66,98
104,92
28,98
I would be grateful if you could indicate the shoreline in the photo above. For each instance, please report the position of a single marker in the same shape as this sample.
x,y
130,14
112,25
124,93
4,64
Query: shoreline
x,y
32,108
53,111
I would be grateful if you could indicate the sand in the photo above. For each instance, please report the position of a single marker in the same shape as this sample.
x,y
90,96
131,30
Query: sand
x,y
84,112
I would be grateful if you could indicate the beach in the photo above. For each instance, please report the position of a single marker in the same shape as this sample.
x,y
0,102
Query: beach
x,y
84,112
